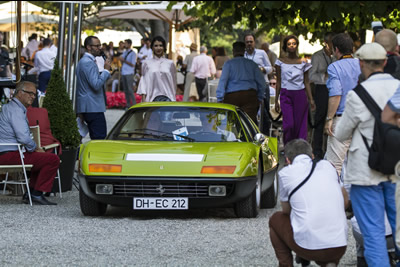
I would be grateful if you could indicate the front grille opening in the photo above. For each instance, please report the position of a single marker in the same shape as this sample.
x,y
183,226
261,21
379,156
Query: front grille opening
x,y
166,189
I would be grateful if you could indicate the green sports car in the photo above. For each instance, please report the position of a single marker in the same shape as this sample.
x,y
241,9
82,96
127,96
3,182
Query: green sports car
x,y
179,156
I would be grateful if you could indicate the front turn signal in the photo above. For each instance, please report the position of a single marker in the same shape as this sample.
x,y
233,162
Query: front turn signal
x,y
218,169
104,168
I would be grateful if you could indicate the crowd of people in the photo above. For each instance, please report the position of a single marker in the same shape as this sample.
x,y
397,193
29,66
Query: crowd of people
x,y
320,182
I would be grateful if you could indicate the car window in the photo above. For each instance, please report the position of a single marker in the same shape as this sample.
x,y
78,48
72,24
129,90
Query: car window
x,y
197,124
247,123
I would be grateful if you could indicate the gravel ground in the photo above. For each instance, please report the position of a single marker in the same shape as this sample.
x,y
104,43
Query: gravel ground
x,y
61,236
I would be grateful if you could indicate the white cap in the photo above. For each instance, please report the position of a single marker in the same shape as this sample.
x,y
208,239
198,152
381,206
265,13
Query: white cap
x,y
371,51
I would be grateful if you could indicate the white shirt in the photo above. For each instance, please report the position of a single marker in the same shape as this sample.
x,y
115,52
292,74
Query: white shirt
x,y
144,51
31,47
158,78
100,63
44,59
203,66
317,216
292,75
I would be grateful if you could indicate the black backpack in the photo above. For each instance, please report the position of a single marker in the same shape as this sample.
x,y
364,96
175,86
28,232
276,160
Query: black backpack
x,y
384,152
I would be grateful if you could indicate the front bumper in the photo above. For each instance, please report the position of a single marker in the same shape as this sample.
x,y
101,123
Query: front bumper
x,y
195,189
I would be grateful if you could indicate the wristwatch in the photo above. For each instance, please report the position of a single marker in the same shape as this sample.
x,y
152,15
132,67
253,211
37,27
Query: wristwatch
x,y
328,118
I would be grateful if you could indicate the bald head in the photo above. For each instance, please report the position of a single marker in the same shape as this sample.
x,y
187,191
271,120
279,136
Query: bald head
x,y
388,39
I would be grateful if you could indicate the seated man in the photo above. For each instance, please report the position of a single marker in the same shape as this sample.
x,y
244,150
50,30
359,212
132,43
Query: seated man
x,y
313,222
14,128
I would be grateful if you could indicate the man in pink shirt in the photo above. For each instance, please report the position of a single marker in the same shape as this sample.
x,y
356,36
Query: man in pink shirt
x,y
203,66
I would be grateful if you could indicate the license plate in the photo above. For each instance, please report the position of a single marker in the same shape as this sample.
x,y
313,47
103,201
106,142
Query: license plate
x,y
160,203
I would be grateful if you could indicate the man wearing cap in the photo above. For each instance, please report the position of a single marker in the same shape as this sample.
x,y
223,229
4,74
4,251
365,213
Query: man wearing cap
x,y
187,64
372,193
342,77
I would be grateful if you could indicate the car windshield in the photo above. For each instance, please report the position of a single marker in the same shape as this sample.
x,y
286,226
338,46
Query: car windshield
x,y
185,124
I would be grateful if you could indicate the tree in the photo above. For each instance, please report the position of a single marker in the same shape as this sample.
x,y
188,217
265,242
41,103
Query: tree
x,y
299,17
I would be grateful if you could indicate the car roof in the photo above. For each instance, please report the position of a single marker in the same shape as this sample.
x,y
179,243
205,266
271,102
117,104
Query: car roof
x,y
185,104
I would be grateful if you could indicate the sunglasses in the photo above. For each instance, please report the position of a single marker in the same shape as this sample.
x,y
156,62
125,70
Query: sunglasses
x,y
272,83
30,93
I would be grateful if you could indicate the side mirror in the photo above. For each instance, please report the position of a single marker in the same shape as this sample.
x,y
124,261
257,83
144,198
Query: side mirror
x,y
259,138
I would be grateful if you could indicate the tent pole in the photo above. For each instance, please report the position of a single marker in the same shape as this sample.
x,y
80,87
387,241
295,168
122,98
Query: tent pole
x,y
170,42
18,50
71,15
77,51
61,37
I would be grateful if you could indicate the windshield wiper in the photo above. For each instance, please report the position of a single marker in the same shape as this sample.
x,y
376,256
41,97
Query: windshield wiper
x,y
163,134
140,133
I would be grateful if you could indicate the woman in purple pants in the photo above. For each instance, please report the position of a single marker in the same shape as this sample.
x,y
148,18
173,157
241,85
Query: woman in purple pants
x,y
294,89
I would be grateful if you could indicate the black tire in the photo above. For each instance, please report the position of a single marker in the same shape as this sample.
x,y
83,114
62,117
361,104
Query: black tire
x,y
247,208
90,207
270,197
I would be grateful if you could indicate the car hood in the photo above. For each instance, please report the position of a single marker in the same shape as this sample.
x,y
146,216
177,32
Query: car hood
x,y
143,158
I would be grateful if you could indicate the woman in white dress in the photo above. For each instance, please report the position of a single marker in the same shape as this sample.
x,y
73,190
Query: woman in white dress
x,y
158,81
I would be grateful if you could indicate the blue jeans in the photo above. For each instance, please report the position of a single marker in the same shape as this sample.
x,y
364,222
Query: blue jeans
x,y
369,204
97,125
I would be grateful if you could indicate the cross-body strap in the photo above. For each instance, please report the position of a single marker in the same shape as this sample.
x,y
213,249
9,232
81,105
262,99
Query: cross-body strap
x,y
368,101
315,161
370,104
126,56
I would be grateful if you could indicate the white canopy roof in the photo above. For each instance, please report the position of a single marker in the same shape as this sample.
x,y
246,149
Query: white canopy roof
x,y
148,11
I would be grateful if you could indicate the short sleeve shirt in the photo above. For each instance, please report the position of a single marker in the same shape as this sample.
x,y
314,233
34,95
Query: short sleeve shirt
x,y
292,75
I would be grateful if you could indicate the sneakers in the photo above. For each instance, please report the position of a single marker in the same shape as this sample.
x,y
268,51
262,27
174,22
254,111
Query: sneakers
x,y
40,200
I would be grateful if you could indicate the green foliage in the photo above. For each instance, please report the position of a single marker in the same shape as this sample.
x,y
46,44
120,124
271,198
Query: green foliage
x,y
59,106
298,17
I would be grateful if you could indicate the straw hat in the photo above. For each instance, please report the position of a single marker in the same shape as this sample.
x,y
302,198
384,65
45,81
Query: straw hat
x,y
193,46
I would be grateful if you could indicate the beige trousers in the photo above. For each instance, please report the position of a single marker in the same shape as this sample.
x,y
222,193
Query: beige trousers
x,y
336,150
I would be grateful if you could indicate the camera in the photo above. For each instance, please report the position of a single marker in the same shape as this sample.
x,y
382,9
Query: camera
x,y
376,26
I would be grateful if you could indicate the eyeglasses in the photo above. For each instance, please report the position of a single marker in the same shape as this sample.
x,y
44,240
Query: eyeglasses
x,y
98,46
30,93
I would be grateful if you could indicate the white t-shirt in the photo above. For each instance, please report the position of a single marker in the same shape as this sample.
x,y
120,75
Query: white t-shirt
x,y
317,217
292,75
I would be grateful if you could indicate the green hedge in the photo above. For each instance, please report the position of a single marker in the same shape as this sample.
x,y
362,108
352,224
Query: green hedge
x,y
61,114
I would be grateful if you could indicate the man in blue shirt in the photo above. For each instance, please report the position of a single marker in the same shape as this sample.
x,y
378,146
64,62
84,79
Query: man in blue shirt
x,y
343,76
128,60
90,102
14,128
241,82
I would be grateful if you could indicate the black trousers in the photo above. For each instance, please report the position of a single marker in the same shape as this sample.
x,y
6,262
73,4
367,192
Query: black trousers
x,y
321,98
266,120
200,85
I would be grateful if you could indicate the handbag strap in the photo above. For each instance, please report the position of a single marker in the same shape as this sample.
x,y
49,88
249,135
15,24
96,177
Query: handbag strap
x,y
315,161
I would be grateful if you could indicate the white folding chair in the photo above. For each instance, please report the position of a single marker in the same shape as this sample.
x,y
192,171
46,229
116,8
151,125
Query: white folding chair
x,y
18,168
35,130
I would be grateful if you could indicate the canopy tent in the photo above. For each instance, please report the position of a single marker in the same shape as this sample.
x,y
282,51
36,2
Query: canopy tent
x,y
32,18
29,22
174,17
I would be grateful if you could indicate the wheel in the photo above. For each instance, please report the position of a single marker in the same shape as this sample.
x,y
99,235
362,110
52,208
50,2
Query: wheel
x,y
247,208
270,197
90,207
